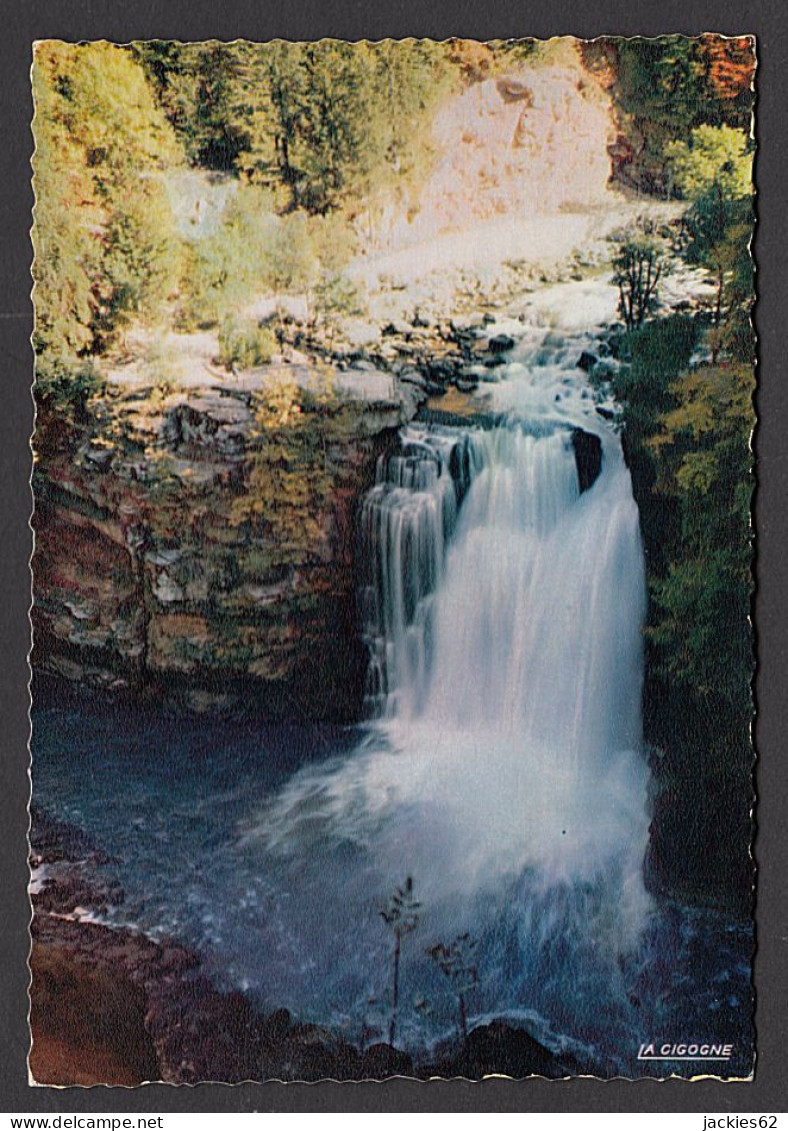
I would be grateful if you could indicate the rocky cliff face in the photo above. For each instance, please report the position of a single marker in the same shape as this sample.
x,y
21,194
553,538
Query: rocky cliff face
x,y
154,566
502,149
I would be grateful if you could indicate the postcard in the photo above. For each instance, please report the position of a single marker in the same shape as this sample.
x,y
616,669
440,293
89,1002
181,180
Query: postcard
x,y
392,660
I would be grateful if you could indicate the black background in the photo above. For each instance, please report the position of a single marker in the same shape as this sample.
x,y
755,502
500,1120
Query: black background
x,y
124,20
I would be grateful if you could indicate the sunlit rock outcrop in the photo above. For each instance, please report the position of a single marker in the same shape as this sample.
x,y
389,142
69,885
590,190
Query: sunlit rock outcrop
x,y
531,142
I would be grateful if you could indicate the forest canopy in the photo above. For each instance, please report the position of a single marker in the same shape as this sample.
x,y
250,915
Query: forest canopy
x,y
322,129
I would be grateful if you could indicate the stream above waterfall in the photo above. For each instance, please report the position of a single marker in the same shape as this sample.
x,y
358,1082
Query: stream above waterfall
x,y
501,765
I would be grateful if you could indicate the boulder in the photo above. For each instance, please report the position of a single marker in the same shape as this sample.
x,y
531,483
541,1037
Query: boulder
x,y
381,1061
466,324
502,1049
305,1052
440,370
413,377
501,343
604,370
588,457
396,328
587,361
99,457
276,1026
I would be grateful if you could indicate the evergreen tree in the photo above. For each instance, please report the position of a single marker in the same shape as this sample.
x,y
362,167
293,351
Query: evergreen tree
x,y
103,231
714,171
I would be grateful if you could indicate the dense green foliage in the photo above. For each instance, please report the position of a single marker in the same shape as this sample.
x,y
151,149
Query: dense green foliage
x,y
714,157
688,429
322,125
246,344
255,251
666,88
687,397
688,443
105,249
291,475
699,621
714,172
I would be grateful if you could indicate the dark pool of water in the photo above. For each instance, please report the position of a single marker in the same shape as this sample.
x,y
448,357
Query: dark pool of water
x,y
166,796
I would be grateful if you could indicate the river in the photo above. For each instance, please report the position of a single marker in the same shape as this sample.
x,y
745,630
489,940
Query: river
x,y
502,600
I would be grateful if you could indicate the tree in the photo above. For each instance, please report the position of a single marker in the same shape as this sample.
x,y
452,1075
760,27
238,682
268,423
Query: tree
x,y
714,156
714,171
196,85
688,432
401,916
658,352
719,230
637,268
103,232
666,87
270,98
731,70
325,125
67,218
661,91
457,961
703,458
687,435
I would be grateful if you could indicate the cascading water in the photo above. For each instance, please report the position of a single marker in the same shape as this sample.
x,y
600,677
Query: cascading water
x,y
502,609
408,519
501,767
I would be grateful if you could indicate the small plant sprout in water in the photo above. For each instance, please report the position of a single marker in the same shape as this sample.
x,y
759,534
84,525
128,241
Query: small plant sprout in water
x,y
457,962
401,916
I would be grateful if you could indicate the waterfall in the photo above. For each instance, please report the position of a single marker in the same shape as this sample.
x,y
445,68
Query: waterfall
x,y
502,608
540,597
505,644
408,519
